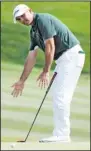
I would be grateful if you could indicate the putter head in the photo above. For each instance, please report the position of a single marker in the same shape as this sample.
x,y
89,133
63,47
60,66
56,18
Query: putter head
x,y
21,141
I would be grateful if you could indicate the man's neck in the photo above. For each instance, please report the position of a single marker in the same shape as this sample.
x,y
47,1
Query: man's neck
x,y
33,19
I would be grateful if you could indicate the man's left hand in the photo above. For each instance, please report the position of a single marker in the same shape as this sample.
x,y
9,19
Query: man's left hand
x,y
43,79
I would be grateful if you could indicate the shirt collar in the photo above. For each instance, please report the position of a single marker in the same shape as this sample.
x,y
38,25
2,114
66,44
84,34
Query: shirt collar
x,y
34,20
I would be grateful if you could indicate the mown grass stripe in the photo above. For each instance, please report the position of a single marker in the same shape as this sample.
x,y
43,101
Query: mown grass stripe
x,y
28,88
80,116
74,103
36,138
40,93
46,105
80,132
79,95
27,110
25,106
43,111
31,96
11,135
17,133
81,102
41,120
22,126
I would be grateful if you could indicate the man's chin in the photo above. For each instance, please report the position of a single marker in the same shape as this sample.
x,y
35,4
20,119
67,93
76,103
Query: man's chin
x,y
27,24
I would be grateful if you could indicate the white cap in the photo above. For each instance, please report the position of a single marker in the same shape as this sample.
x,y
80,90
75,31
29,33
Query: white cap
x,y
19,10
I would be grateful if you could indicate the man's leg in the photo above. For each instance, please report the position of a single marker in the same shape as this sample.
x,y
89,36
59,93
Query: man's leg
x,y
68,73
68,69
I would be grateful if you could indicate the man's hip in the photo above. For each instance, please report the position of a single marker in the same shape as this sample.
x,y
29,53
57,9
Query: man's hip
x,y
73,54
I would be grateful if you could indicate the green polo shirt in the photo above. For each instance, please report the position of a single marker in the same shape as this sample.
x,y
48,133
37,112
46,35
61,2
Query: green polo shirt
x,y
47,26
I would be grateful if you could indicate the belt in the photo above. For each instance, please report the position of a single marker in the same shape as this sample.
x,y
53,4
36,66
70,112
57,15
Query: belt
x,y
81,52
60,53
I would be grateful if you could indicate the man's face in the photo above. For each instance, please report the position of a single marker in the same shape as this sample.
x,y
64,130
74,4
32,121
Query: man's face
x,y
26,18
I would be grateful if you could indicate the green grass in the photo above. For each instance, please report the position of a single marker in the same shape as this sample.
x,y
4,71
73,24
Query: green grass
x,y
46,146
15,38
17,113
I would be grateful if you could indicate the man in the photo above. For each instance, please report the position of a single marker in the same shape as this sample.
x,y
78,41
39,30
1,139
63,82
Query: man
x,y
59,44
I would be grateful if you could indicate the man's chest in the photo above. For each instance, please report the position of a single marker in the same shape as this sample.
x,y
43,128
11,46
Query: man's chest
x,y
37,36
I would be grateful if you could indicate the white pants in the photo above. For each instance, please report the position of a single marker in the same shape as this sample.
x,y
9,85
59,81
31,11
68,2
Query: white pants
x,y
68,68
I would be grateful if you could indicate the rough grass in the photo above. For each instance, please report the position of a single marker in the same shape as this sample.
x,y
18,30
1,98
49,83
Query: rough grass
x,y
15,38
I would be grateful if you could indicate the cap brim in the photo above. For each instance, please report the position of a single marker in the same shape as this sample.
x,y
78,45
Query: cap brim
x,y
18,14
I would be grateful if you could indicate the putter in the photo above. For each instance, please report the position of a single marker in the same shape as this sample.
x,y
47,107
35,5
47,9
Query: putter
x,y
39,107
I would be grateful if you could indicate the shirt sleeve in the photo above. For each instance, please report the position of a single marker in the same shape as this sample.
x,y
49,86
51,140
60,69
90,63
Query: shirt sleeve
x,y
32,44
47,28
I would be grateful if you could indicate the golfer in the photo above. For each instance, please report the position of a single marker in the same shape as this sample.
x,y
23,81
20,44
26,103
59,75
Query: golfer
x,y
58,43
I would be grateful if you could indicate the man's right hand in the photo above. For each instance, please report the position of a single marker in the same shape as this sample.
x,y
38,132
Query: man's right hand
x,y
18,88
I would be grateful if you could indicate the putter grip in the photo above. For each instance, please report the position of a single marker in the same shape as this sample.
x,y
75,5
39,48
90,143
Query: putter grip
x,y
53,77
51,81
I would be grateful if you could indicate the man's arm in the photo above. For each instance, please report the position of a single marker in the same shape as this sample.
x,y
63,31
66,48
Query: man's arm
x,y
29,64
49,53
48,31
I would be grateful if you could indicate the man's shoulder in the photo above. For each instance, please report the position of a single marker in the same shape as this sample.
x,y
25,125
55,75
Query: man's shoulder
x,y
43,16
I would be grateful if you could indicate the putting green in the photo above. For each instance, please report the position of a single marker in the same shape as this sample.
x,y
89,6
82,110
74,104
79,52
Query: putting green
x,y
18,114
46,146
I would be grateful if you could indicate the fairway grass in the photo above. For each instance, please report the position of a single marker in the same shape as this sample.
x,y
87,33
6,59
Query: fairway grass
x,y
17,114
